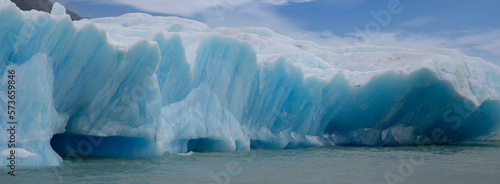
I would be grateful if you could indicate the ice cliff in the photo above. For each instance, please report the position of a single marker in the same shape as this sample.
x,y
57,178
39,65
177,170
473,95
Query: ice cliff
x,y
139,86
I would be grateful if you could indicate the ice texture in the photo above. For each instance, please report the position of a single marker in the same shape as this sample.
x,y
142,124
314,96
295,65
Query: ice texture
x,y
139,86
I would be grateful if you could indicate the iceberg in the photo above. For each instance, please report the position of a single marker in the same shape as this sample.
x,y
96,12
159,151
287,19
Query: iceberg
x,y
139,85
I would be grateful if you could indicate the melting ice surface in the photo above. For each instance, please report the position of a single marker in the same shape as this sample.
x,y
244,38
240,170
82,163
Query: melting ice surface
x,y
139,86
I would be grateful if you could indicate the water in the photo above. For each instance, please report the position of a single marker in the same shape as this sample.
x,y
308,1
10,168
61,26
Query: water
x,y
473,162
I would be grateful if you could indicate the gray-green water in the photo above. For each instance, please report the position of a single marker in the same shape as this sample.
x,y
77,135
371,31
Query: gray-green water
x,y
473,162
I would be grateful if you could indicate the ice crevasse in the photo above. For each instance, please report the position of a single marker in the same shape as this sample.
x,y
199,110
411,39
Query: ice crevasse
x,y
139,86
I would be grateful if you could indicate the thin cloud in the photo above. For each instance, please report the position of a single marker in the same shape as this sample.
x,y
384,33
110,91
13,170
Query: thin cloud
x,y
252,14
489,41
485,45
402,39
190,8
345,3
417,22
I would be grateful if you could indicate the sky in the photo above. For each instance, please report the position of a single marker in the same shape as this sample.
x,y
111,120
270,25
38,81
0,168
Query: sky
x,y
471,27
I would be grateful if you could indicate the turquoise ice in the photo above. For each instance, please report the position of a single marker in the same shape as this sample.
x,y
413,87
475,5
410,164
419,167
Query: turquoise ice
x,y
139,86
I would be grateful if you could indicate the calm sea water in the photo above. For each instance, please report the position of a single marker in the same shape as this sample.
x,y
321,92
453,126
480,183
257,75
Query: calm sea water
x,y
472,162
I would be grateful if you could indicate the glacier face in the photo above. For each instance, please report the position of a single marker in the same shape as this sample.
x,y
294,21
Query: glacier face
x,y
138,86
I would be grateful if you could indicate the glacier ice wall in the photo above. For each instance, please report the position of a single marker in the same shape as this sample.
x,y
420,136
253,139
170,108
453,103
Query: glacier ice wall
x,y
138,86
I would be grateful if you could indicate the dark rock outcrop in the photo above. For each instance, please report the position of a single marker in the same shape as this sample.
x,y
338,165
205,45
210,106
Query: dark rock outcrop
x,y
42,5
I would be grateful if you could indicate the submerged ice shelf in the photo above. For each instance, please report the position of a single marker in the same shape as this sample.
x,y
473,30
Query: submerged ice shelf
x,y
139,86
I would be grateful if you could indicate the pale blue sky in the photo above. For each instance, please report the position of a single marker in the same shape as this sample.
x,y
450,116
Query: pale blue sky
x,y
472,27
